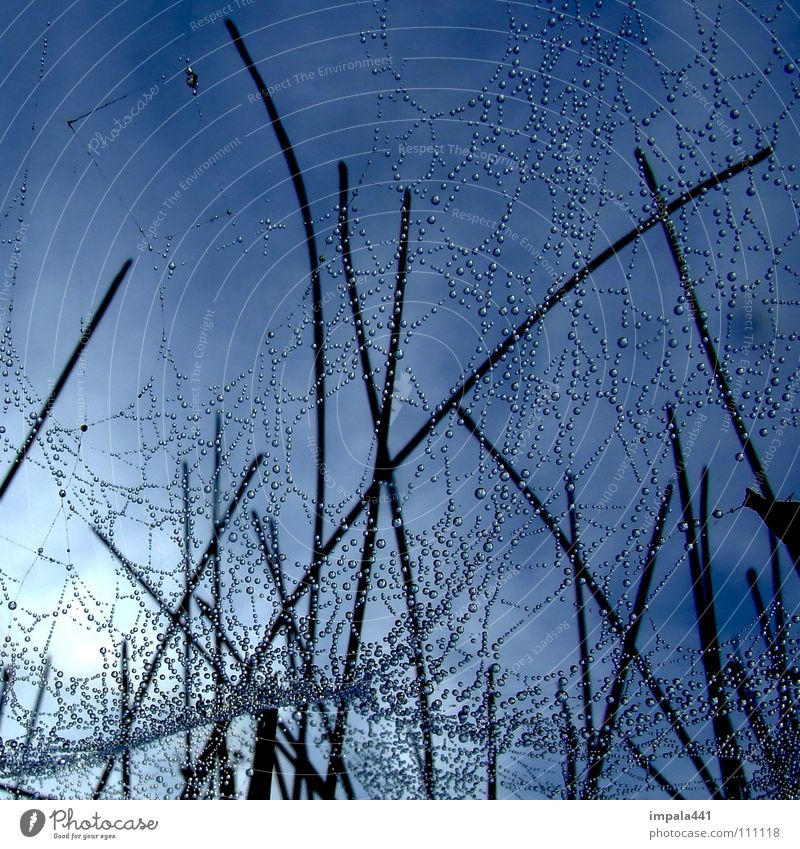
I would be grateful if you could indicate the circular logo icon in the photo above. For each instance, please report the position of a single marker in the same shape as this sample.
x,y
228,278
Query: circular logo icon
x,y
31,822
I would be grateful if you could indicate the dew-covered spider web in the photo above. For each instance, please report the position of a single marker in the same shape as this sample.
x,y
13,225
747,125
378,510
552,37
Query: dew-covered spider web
x,y
410,456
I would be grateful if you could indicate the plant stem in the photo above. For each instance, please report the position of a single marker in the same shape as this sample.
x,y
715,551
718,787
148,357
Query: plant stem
x,y
22,453
600,599
5,680
416,638
352,289
187,612
491,791
264,755
319,336
336,757
617,688
34,716
570,766
706,341
175,615
733,780
124,675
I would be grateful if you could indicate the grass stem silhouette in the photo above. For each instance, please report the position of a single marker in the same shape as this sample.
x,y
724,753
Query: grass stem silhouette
x,y
706,340
617,689
59,385
734,783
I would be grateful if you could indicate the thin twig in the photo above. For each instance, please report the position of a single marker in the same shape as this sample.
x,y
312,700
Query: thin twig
x,y
491,790
176,615
733,779
599,596
583,634
124,686
22,453
614,699
706,340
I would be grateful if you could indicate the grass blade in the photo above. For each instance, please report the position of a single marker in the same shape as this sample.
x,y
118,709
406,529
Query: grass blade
x,y
717,369
336,757
264,755
5,682
733,780
491,790
416,638
125,685
22,453
583,635
352,289
617,688
570,739
600,599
